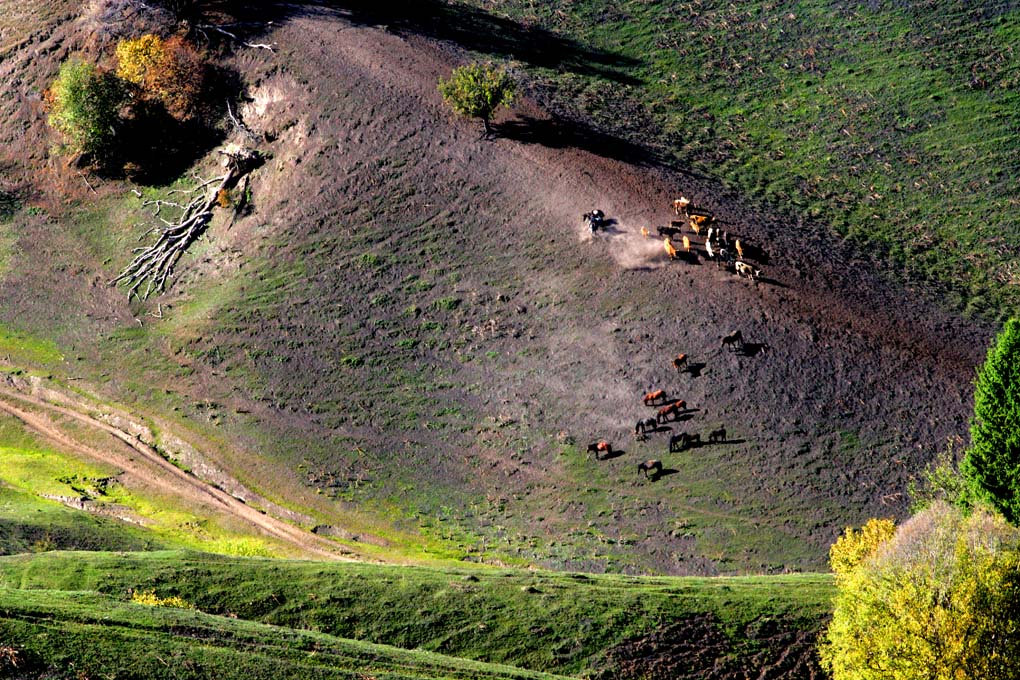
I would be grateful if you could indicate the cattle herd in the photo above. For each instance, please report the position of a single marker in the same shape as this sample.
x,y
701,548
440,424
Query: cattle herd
x,y
718,245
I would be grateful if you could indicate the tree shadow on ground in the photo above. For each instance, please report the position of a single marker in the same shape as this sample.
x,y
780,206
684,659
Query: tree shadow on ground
x,y
555,133
471,28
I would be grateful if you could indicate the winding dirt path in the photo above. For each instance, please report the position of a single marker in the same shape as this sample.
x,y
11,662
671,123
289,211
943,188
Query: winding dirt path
x,y
157,471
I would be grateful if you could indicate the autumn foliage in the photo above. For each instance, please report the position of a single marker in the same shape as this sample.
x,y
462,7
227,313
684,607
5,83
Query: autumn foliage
x,y
169,72
854,546
940,600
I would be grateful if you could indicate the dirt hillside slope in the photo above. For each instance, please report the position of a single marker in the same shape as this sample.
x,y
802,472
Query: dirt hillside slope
x,y
419,322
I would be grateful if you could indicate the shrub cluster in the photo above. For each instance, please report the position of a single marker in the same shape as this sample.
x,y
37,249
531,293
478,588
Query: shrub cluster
x,y
154,82
941,599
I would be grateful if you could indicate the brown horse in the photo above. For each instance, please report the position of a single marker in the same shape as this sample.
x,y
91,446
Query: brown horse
x,y
680,362
655,396
673,409
717,435
734,340
653,466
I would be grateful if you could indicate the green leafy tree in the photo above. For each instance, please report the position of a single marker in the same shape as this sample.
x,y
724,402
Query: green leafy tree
x,y
477,90
939,601
84,104
992,463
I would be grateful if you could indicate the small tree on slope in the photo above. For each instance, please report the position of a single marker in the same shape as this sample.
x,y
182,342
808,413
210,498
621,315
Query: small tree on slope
x,y
83,104
477,90
992,463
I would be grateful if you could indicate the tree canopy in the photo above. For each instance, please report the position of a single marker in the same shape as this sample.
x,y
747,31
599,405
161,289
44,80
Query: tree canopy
x,y
84,104
477,90
992,463
170,72
939,601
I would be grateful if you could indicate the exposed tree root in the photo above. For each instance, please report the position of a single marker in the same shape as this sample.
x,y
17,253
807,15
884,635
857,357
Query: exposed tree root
x,y
153,264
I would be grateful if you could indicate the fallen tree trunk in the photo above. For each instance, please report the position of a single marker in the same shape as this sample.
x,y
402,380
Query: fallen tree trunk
x,y
153,264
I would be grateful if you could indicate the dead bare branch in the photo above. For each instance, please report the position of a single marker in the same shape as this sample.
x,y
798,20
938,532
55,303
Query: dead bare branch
x,y
153,264
244,129
218,29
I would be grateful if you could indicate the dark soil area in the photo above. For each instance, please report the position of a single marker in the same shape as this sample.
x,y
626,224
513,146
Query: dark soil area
x,y
697,649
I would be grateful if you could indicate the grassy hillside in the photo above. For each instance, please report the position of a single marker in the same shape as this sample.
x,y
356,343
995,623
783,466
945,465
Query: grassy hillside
x,y
563,623
895,123
82,635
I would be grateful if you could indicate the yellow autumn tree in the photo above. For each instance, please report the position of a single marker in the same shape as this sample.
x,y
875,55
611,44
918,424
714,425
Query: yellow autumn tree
x,y
170,72
938,601
854,546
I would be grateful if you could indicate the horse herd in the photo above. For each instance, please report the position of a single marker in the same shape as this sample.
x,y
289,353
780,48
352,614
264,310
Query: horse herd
x,y
718,245
668,409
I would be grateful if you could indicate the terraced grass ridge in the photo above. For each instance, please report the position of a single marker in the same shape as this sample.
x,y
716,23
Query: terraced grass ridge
x,y
300,617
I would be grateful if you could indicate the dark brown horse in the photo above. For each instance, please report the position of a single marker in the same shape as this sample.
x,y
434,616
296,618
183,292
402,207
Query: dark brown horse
x,y
734,340
643,426
599,447
717,435
652,466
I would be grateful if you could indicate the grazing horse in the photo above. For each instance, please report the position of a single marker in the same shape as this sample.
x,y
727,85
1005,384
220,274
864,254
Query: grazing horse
x,y
717,435
599,447
643,426
653,466
687,244
655,396
679,442
673,409
740,249
680,362
734,340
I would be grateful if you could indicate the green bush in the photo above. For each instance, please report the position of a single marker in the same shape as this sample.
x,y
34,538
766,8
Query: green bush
x,y
477,90
84,104
992,463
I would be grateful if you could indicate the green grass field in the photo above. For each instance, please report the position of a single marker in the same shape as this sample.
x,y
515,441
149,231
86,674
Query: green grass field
x,y
543,621
56,634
